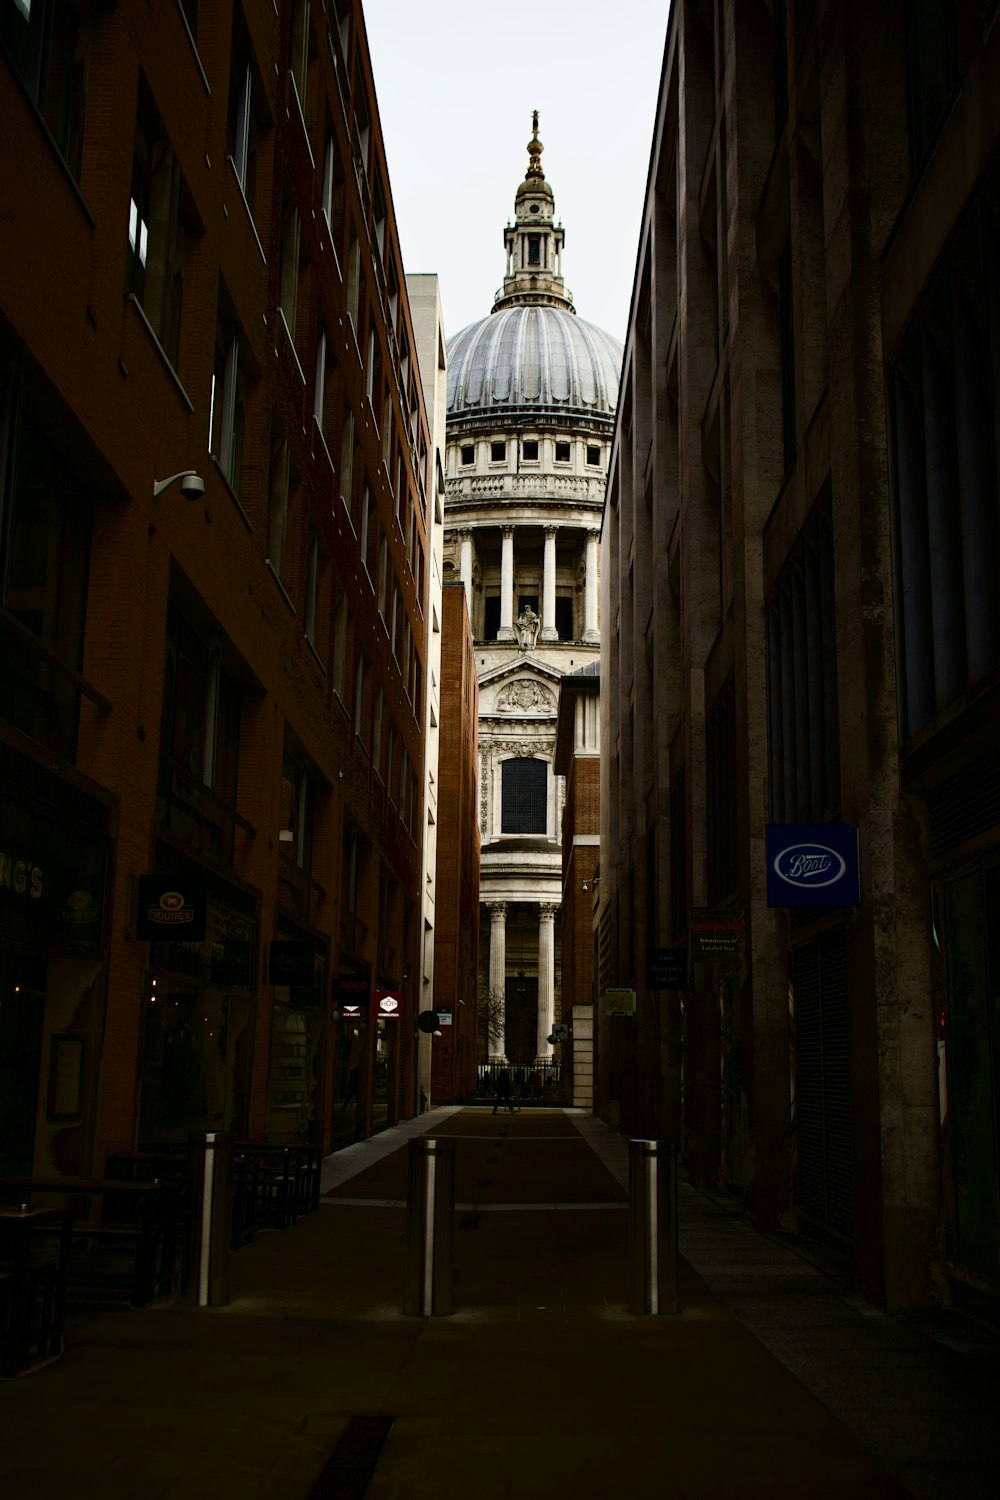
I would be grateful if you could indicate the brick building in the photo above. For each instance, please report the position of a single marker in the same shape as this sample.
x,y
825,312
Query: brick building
x,y
800,552
456,933
213,487
577,758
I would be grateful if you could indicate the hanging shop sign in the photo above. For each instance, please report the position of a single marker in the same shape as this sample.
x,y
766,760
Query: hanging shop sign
x,y
388,1004
666,968
619,1002
294,962
812,864
351,995
172,908
716,935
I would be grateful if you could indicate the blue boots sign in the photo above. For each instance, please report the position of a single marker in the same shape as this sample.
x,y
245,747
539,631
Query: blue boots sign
x,y
812,864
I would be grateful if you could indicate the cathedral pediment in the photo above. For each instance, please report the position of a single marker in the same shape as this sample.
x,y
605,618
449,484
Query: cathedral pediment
x,y
520,693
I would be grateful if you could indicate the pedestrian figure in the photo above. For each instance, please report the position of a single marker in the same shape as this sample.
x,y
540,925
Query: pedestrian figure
x,y
536,1085
503,1091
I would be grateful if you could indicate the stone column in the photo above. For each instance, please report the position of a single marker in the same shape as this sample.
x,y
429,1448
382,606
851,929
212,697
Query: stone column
x,y
591,634
506,631
466,568
549,631
498,978
546,978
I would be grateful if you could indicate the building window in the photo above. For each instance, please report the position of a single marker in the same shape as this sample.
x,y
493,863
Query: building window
x,y
295,830
360,718
943,379
785,291
333,193
562,453
524,798
159,220
242,126
227,401
347,461
468,454
529,450
491,617
201,708
48,47
298,50
534,250
593,454
45,520
932,68
803,718
288,273
498,452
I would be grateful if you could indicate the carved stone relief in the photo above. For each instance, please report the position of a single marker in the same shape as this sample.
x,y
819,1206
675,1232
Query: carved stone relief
x,y
524,695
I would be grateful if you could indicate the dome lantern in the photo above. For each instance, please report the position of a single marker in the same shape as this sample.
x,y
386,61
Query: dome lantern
x,y
534,242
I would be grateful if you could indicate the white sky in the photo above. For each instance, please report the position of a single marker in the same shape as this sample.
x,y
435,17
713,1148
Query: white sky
x,y
457,81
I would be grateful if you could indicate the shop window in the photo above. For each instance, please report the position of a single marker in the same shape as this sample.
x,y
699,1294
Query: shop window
x,y
45,521
47,44
562,453
160,219
525,796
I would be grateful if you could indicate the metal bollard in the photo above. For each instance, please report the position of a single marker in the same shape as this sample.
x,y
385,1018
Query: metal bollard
x,y
430,1214
209,1231
652,1227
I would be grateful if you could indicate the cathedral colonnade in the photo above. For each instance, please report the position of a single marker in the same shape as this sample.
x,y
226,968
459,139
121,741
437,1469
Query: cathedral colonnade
x,y
514,542
547,912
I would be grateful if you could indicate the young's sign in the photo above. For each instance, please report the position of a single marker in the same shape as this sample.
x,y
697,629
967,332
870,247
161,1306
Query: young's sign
x,y
812,864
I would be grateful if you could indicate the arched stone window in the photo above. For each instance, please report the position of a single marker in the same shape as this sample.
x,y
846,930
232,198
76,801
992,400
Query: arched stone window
x,y
525,796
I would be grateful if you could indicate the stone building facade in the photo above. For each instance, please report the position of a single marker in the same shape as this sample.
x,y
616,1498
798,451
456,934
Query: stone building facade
x,y
531,397
801,519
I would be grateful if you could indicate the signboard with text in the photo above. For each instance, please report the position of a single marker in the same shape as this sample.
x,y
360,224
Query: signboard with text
x,y
171,909
716,935
812,864
666,968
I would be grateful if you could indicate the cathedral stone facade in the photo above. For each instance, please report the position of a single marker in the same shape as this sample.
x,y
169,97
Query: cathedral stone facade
x,y
532,391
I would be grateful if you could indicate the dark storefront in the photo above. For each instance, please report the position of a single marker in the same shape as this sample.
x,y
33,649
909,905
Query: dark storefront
x,y
55,870
198,1014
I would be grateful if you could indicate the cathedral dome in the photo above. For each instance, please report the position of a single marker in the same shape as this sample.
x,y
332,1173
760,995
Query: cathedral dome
x,y
533,360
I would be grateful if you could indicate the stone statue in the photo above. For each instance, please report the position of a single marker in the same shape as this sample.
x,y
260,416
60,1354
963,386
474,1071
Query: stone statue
x,y
527,629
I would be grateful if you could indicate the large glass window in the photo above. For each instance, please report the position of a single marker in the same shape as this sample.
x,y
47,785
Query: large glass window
x,y
525,796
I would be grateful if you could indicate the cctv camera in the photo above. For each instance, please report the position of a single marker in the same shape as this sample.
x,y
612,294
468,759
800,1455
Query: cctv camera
x,y
192,486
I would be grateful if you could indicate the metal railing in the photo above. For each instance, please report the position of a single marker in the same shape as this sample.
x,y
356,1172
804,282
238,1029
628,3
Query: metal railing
x,y
530,1083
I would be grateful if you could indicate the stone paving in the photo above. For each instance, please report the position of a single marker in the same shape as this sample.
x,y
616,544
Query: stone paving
x,y
772,1380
